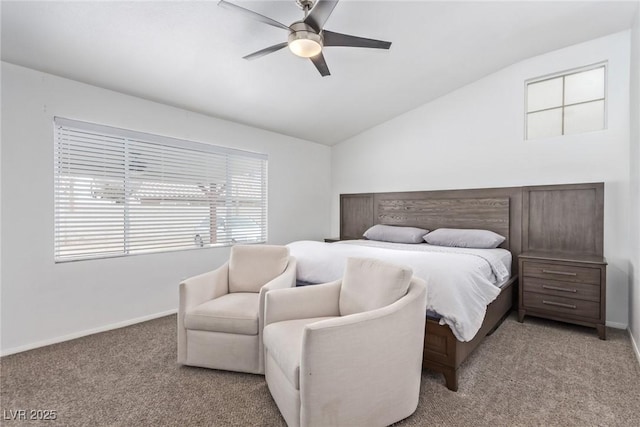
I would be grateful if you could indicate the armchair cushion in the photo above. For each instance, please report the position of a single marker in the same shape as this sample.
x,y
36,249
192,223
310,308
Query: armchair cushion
x,y
284,341
251,266
235,313
369,284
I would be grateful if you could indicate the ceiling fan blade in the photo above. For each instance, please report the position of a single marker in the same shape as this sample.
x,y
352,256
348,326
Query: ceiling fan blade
x,y
321,64
338,39
320,13
265,51
253,15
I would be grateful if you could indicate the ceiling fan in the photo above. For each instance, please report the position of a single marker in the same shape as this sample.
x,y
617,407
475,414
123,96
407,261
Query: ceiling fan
x,y
308,36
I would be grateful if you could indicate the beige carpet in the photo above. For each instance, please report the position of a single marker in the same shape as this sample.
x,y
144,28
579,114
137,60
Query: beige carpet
x,y
537,373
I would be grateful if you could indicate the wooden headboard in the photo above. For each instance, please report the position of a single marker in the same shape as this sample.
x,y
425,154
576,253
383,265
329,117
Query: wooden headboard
x,y
495,209
484,213
567,217
564,218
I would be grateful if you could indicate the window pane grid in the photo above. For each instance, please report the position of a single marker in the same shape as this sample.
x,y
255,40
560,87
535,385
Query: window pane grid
x,y
126,194
566,105
582,92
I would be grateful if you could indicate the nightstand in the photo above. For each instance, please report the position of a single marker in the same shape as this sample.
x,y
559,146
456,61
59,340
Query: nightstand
x,y
331,239
564,287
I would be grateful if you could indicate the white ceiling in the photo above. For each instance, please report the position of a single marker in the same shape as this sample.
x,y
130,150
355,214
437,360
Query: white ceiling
x,y
189,54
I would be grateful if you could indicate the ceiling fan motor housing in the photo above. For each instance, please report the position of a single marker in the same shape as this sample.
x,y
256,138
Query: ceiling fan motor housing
x,y
304,40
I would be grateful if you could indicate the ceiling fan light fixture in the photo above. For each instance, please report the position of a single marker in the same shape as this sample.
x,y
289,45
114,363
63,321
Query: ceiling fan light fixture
x,y
305,48
303,41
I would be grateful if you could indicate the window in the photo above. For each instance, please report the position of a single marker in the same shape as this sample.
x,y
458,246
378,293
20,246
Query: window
x,y
119,192
573,102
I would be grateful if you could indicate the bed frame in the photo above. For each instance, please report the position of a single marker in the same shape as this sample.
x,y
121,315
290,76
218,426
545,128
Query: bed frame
x,y
495,209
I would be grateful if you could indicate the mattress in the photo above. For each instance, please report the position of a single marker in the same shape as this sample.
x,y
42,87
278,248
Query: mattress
x,y
461,282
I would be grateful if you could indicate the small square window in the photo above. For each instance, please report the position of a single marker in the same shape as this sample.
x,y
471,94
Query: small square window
x,y
571,103
544,94
584,86
585,117
545,124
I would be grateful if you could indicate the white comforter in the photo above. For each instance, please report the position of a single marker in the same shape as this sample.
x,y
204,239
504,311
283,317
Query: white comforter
x,y
460,282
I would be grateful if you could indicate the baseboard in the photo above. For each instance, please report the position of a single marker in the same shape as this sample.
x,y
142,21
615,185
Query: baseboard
x,y
617,325
635,347
84,333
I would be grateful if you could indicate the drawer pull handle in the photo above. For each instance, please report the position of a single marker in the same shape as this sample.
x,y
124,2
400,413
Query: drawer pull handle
x,y
564,273
556,288
559,304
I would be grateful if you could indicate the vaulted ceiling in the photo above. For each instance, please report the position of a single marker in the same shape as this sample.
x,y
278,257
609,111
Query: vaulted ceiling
x,y
189,54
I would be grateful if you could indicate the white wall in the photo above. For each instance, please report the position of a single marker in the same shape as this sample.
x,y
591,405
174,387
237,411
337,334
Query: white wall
x,y
43,301
473,138
634,265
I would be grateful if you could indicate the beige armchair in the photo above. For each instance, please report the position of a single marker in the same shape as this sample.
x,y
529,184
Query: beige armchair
x,y
347,353
220,313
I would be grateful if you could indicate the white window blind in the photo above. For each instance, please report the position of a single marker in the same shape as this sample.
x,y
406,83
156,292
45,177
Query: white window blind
x,y
119,192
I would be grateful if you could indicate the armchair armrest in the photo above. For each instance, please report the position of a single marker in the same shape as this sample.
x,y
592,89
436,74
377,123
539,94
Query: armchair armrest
x,y
286,280
303,302
195,291
204,287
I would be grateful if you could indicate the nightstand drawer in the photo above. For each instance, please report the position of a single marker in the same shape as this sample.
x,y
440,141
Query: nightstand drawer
x,y
562,289
563,306
566,273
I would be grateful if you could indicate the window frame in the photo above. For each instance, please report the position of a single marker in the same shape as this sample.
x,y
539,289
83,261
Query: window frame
x,y
230,156
564,74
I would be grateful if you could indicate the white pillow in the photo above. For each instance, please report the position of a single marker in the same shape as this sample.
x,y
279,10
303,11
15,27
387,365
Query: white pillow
x,y
464,238
395,234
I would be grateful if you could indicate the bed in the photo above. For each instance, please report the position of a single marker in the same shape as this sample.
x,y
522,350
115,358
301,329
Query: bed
x,y
461,282
541,219
498,210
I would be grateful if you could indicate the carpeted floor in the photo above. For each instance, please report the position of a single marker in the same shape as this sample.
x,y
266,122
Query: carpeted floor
x,y
536,373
